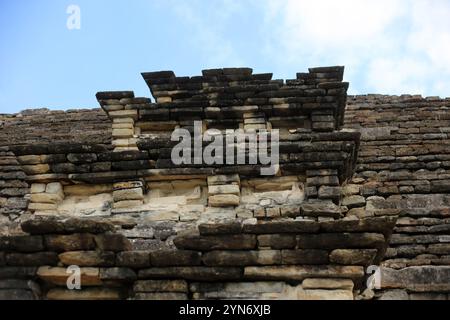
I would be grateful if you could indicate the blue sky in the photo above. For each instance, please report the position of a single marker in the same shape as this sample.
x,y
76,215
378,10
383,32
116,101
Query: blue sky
x,y
387,46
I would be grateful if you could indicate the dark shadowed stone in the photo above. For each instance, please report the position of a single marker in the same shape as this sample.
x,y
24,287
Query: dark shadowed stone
x,y
277,241
362,257
88,258
17,272
72,242
65,226
304,256
320,208
160,286
117,274
14,284
341,240
133,259
162,258
22,243
192,273
220,228
417,279
113,242
282,227
2,259
32,259
242,258
207,243
383,225
16,294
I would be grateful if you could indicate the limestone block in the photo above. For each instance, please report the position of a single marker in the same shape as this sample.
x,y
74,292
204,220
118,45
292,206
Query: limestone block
x,y
341,240
87,258
207,243
87,190
123,120
112,242
46,198
320,283
133,259
354,201
127,204
223,179
161,296
160,286
84,294
128,194
363,257
304,257
162,258
133,114
42,206
37,188
32,259
277,241
117,274
351,189
36,169
55,188
122,133
58,276
29,159
241,258
123,126
196,273
128,185
224,200
223,189
163,99
72,242
320,294
290,273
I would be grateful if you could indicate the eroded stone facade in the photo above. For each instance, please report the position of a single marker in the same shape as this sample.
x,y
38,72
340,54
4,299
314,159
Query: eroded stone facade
x,y
98,189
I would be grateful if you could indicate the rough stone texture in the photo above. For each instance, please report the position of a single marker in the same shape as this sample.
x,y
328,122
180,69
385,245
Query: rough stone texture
x,y
340,196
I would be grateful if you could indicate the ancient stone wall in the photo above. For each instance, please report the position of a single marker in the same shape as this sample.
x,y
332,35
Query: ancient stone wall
x,y
98,189
404,169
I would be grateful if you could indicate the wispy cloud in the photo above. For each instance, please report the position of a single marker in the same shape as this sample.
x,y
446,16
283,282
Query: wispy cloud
x,y
388,46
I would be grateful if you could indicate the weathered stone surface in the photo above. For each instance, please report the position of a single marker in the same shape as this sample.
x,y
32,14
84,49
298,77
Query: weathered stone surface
x,y
32,259
394,295
289,273
376,224
112,242
241,258
208,243
330,284
128,194
363,257
160,286
282,227
417,279
220,228
2,259
192,273
17,272
224,200
161,296
162,258
58,276
88,258
341,240
304,257
224,189
65,226
277,241
322,208
16,294
133,259
319,294
72,242
117,274
22,243
354,201
85,294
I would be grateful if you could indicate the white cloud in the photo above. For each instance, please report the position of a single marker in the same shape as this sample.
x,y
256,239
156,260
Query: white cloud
x,y
387,46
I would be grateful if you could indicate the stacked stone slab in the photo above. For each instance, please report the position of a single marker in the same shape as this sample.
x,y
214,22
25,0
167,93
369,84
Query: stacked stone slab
x,y
239,260
224,190
403,170
13,188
